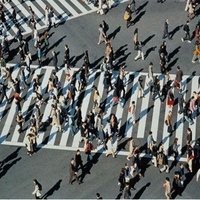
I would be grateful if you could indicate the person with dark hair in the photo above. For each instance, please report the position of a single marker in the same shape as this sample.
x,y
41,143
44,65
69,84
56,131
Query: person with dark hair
x,y
166,31
127,15
186,29
98,196
121,180
127,192
37,190
73,171
78,160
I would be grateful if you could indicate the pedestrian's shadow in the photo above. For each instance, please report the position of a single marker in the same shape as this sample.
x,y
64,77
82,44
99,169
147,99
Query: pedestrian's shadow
x,y
141,191
114,33
120,51
144,112
56,44
6,167
144,164
52,190
121,60
148,39
171,64
88,166
149,51
141,7
137,19
96,62
122,146
77,58
172,33
173,53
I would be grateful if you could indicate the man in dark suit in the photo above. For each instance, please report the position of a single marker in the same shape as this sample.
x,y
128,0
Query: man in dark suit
x,y
72,172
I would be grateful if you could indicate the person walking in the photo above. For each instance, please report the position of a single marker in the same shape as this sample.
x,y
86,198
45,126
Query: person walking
x,y
78,160
178,78
187,114
46,42
165,162
150,75
102,35
121,180
73,172
198,175
150,141
168,122
55,60
140,53
110,147
166,31
180,101
20,121
126,192
127,15
88,148
37,189
135,39
154,153
186,29
170,98
167,187
140,88
196,53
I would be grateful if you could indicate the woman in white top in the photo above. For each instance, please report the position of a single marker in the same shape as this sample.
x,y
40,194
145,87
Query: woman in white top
x,y
110,148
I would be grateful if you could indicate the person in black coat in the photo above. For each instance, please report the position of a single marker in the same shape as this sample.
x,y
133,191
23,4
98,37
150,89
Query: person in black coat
x,y
78,160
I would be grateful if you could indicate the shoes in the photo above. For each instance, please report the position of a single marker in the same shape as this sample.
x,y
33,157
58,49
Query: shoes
x,y
193,61
189,41
182,39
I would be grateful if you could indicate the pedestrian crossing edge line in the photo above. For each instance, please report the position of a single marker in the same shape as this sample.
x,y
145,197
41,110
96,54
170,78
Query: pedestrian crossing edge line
x,y
99,150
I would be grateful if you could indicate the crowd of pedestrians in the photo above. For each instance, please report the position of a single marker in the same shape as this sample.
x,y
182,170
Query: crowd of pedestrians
x,y
93,126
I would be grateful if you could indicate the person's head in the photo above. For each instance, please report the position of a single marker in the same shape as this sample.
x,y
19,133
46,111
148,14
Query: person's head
x,y
72,160
150,132
181,165
133,102
178,68
35,181
151,64
167,179
78,152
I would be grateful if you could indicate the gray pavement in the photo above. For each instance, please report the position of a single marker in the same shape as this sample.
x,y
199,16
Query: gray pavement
x,y
50,167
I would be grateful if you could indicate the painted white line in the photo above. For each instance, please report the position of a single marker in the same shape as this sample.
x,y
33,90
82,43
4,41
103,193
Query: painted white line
x,y
129,126
156,114
79,6
144,111
194,126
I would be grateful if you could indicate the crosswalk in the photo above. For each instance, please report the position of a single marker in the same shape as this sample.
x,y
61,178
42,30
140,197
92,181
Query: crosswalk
x,y
63,10
149,114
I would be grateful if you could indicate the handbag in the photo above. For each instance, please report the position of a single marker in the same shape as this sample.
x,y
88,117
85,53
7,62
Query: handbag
x,y
166,122
126,16
169,129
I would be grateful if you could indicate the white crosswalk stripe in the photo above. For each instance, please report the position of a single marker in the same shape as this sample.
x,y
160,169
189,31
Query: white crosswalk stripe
x,y
61,9
96,78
